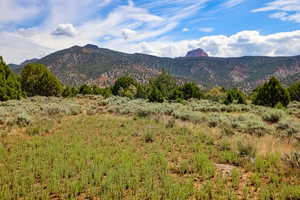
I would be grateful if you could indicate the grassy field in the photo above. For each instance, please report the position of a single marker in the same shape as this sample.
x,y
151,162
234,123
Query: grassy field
x,y
94,148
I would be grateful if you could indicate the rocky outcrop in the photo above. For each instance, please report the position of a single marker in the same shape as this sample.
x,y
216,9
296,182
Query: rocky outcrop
x,y
196,53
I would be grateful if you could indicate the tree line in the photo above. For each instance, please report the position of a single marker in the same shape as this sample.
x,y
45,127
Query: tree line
x,y
37,80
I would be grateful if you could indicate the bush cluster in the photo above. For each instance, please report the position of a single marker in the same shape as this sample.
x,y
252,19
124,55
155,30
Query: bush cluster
x,y
235,96
159,89
93,90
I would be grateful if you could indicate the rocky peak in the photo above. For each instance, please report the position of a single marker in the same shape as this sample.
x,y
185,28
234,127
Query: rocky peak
x,y
91,46
197,53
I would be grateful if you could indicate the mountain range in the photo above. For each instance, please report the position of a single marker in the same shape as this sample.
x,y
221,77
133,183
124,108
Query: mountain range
x,y
93,65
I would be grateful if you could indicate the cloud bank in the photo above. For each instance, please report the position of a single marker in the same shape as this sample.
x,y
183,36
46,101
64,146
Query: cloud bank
x,y
134,26
285,10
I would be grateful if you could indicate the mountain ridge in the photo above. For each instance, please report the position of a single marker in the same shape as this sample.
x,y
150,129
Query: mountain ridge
x,y
93,65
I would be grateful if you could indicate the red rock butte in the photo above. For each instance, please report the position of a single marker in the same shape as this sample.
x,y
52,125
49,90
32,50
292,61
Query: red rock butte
x,y
197,53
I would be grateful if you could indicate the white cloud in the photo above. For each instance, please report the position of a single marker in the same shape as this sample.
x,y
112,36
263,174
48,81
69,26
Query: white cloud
x,y
137,28
128,33
206,29
13,11
17,49
232,3
185,30
245,43
285,10
65,30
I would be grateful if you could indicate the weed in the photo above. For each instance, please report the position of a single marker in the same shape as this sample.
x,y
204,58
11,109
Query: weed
x,y
230,157
290,192
171,123
203,165
148,137
255,180
292,159
235,178
246,149
227,132
40,127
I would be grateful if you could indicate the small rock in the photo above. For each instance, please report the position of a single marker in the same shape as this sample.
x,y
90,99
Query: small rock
x,y
226,169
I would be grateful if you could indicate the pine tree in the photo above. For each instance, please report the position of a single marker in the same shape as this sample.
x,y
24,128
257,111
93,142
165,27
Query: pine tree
x,y
156,96
229,99
10,87
165,83
271,93
294,91
36,79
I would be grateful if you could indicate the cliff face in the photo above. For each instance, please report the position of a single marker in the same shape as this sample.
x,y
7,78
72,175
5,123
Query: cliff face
x,y
196,53
94,65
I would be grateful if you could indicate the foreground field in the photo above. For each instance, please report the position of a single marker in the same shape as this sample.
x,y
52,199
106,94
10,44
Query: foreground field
x,y
95,148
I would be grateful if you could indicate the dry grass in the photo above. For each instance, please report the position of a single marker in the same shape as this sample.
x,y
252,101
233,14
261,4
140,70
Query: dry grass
x,y
102,155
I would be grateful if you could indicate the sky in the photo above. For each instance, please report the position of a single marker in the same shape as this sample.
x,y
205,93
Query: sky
x,y
168,28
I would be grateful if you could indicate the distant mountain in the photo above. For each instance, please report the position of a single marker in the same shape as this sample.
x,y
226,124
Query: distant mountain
x,y
197,53
29,61
94,65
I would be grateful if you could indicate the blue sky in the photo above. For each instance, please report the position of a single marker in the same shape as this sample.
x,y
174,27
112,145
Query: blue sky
x,y
223,28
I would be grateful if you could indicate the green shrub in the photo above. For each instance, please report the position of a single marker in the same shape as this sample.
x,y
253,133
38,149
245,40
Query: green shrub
x,y
288,128
271,93
190,90
36,79
129,92
256,128
217,94
10,87
235,96
70,91
86,89
273,116
123,84
23,119
214,120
